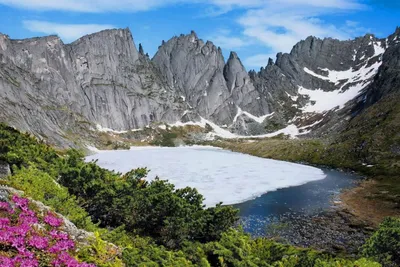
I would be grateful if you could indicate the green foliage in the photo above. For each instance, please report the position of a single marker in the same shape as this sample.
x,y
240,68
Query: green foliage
x,y
101,253
384,245
166,139
237,249
22,150
42,187
149,223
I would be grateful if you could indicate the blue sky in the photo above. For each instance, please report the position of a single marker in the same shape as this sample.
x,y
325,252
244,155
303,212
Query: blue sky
x,y
255,29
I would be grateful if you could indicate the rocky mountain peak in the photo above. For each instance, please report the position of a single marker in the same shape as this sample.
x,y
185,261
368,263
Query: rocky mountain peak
x,y
233,55
234,72
103,79
141,51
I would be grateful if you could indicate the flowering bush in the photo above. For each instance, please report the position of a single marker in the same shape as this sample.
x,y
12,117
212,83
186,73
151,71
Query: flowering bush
x,y
26,240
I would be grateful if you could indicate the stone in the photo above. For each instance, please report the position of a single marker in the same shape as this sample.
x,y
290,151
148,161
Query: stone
x,y
4,169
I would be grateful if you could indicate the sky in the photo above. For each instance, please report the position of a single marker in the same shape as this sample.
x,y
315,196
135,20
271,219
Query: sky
x,y
255,29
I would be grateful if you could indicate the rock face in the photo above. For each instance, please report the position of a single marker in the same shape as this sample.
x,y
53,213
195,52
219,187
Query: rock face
x,y
52,89
194,69
388,78
58,91
4,169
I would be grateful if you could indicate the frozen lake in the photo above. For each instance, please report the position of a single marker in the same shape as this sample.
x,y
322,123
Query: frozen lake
x,y
219,175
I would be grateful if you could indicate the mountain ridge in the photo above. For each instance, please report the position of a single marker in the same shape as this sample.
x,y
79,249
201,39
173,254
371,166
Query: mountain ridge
x,y
103,80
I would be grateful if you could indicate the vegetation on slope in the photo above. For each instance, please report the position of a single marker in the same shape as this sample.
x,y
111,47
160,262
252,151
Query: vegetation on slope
x,y
152,223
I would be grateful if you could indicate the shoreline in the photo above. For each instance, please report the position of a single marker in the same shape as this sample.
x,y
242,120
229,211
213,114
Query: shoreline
x,y
365,202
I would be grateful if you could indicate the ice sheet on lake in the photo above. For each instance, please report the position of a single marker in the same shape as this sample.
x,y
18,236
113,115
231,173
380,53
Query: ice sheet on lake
x,y
219,175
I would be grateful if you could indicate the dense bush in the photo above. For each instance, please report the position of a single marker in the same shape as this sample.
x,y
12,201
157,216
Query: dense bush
x,y
42,187
384,245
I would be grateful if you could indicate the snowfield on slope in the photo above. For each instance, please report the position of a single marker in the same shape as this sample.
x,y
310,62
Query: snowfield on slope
x,y
219,175
355,81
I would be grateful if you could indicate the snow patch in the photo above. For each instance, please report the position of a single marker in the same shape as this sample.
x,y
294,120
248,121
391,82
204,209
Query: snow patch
x,y
294,98
202,123
325,101
94,149
108,130
290,130
183,98
379,50
255,118
357,79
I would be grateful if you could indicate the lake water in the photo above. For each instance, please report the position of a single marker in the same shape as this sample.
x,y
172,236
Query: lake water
x,y
262,189
308,199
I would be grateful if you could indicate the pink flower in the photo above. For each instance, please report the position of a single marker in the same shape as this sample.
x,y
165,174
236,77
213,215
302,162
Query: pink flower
x,y
5,236
39,242
58,235
65,259
6,262
6,206
62,245
29,220
52,220
4,222
30,213
25,218
21,202
26,253
29,262
17,242
20,230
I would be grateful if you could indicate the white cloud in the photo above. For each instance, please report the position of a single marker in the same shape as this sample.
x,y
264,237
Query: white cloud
x,y
225,39
67,32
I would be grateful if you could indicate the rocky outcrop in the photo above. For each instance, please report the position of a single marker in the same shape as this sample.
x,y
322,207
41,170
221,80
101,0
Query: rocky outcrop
x,y
387,80
4,169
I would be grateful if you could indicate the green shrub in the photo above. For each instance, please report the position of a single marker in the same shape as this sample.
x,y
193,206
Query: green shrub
x,y
384,245
42,187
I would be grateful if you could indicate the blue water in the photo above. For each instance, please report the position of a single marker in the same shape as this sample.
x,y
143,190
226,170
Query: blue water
x,y
310,198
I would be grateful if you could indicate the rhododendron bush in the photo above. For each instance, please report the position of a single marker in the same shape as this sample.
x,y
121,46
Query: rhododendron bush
x,y
30,240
